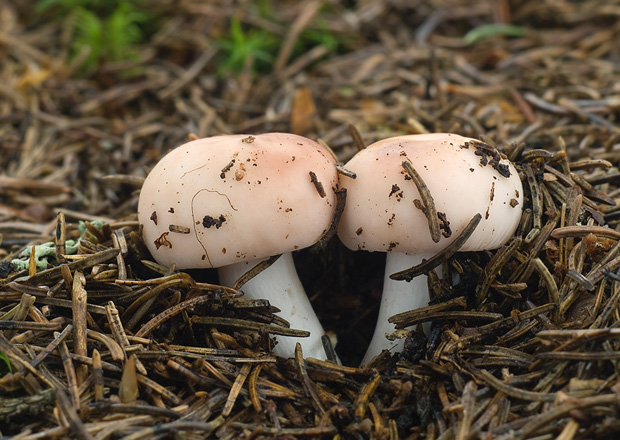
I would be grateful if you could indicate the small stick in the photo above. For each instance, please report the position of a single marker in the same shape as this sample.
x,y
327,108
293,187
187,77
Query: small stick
x,y
253,390
250,325
137,309
170,312
588,356
95,232
427,200
357,137
29,325
552,288
329,349
116,326
523,106
66,276
106,366
502,386
75,424
318,185
179,229
118,331
324,144
537,153
335,367
119,241
314,431
157,388
55,273
404,317
455,314
189,374
19,312
97,376
584,335
341,198
60,238
308,386
609,308
366,393
443,255
108,408
230,292
263,265
32,263
116,351
342,170
488,329
494,266
16,407
79,298
236,389
39,291
52,345
580,231
71,377
537,202
562,410
468,402
376,418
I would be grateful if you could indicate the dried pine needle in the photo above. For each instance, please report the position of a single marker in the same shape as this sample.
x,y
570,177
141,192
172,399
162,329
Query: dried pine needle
x,y
427,201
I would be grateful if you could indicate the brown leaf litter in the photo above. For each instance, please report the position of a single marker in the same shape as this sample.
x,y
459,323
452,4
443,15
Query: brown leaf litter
x,y
109,344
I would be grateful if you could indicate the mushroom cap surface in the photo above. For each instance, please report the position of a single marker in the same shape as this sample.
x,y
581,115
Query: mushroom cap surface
x,y
225,199
464,176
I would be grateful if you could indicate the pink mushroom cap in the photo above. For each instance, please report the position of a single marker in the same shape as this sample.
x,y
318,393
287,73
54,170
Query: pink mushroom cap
x,y
221,200
464,177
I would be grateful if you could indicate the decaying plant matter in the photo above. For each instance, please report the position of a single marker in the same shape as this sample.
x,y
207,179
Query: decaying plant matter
x,y
105,343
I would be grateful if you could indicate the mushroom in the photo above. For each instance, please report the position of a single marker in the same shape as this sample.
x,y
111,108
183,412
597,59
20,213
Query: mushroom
x,y
384,213
230,202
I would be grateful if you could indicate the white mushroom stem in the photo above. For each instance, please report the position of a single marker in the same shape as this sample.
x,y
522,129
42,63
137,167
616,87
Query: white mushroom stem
x,y
397,297
280,285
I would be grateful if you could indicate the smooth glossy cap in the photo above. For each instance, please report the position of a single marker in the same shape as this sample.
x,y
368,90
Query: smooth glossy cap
x,y
464,177
217,201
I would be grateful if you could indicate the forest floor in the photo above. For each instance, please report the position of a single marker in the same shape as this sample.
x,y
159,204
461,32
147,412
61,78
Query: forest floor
x,y
101,342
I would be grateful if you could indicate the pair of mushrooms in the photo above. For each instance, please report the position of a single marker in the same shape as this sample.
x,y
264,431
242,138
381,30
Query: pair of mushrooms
x,y
230,202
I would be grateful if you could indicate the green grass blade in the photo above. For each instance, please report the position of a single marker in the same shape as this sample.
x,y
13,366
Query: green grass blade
x,y
494,30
